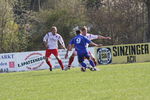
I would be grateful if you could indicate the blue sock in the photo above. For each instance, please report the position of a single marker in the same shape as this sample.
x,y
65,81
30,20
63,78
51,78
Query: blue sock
x,y
83,64
92,63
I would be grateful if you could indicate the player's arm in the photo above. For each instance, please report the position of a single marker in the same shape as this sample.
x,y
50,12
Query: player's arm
x,y
69,48
45,44
94,44
103,37
45,41
61,41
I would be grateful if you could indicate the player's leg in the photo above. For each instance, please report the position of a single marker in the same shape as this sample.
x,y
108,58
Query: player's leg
x,y
47,55
71,59
55,52
92,57
90,60
91,63
81,61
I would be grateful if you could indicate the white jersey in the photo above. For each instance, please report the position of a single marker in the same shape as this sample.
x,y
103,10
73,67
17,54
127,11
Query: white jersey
x,y
90,37
52,40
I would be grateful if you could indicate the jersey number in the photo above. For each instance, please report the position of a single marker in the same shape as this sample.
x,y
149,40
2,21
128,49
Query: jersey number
x,y
78,40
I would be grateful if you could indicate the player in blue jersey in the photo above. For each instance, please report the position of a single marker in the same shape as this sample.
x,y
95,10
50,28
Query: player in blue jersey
x,y
80,42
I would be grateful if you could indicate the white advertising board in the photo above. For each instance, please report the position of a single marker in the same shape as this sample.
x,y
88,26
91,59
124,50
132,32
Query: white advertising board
x,y
34,60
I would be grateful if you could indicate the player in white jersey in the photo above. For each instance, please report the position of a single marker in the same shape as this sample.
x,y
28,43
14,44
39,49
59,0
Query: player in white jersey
x,y
90,37
51,43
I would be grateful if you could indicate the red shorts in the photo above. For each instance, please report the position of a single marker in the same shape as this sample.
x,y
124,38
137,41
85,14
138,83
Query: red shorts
x,y
51,51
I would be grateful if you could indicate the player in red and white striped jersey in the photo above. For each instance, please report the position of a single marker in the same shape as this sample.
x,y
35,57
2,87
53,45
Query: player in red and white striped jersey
x,y
51,43
89,37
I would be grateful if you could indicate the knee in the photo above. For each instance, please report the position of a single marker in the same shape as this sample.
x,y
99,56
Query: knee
x,y
57,57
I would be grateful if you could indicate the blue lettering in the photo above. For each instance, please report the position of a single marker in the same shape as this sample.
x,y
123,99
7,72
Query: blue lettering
x,y
3,64
10,56
4,70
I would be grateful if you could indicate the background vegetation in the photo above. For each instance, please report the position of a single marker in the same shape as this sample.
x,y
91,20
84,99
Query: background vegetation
x,y
23,23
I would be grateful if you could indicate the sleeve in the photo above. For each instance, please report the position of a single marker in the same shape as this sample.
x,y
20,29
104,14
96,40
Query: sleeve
x,y
92,37
61,41
71,42
87,40
45,38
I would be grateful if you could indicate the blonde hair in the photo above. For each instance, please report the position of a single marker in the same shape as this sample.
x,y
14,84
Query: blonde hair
x,y
53,27
84,28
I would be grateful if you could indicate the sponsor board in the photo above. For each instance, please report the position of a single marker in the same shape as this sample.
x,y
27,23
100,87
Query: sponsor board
x,y
27,61
129,53
7,62
104,55
34,60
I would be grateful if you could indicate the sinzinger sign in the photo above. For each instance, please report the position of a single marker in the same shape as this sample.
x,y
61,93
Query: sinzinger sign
x,y
129,53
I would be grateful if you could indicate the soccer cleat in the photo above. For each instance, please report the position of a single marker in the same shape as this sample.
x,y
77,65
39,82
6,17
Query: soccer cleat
x,y
50,69
96,69
67,68
90,68
93,69
83,69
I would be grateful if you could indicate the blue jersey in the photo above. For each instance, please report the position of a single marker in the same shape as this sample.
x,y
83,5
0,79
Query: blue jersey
x,y
80,43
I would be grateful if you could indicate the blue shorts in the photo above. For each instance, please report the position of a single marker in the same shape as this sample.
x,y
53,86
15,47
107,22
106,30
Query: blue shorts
x,y
82,55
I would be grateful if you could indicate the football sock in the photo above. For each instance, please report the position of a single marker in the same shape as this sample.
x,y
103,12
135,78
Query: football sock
x,y
83,64
70,61
61,64
50,65
92,63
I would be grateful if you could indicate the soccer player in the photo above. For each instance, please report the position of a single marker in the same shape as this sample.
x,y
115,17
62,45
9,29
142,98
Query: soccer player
x,y
90,37
80,42
51,43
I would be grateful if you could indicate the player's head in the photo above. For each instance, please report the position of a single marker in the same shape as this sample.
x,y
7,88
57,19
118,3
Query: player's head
x,y
84,30
78,32
54,29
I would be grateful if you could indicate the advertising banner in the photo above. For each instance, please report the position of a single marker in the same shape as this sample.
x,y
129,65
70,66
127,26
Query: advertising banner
x,y
115,54
34,60
128,53
7,62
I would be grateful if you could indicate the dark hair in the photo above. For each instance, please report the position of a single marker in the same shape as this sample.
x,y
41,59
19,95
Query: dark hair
x,y
78,32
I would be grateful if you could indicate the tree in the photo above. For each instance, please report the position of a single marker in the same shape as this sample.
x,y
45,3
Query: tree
x,y
120,19
147,2
8,28
13,35
65,14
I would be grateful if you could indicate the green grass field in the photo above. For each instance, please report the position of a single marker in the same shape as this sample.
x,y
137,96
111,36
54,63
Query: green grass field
x,y
112,82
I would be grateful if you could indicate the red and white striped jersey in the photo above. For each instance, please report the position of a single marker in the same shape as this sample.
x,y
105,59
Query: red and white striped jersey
x,y
52,40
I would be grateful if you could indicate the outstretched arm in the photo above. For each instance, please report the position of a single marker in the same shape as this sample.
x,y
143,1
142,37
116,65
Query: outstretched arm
x,y
69,48
93,37
103,37
94,44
